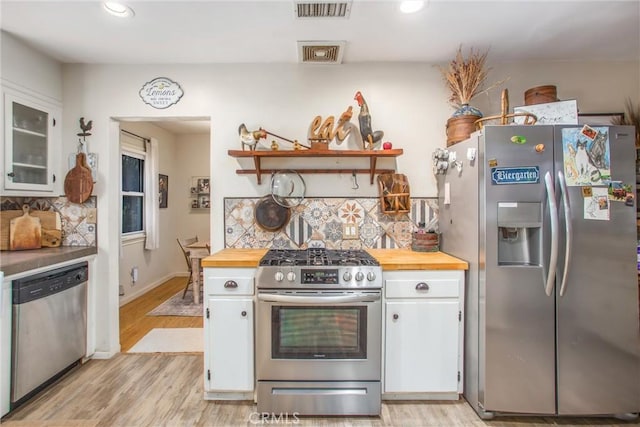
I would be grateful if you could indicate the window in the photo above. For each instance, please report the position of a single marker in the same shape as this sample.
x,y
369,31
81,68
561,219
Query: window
x,y
132,192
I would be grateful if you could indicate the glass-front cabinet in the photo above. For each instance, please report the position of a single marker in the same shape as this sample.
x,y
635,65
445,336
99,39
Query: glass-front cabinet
x,y
30,130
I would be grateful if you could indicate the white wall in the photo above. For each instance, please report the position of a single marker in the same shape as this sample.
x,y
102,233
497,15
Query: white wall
x,y
192,157
29,69
407,101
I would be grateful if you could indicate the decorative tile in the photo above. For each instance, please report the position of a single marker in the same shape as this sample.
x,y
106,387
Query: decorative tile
x,y
232,231
282,241
316,213
351,212
243,213
350,244
318,221
298,230
370,232
333,230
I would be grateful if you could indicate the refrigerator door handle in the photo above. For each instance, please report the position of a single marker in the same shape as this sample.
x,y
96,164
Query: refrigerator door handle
x,y
568,230
553,213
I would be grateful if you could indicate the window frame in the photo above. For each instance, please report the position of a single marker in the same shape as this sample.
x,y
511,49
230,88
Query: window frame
x,y
133,236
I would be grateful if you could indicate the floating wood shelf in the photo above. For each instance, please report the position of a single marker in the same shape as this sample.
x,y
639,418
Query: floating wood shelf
x,y
372,155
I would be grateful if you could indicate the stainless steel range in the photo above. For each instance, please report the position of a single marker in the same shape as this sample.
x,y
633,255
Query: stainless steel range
x,y
318,332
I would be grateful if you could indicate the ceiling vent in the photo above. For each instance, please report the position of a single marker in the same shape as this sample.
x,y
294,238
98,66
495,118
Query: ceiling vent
x,y
322,9
320,52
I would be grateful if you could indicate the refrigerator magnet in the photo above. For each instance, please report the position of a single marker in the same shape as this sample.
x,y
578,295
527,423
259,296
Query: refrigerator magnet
x,y
619,191
586,192
493,163
589,132
597,206
518,139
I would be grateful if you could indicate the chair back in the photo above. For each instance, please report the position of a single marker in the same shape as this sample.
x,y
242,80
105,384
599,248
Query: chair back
x,y
185,250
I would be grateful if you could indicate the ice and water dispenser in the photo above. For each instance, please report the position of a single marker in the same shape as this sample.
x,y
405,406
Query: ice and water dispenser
x,y
519,233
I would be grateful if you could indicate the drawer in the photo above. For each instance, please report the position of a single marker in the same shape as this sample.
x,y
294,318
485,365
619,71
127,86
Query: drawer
x,y
218,283
421,288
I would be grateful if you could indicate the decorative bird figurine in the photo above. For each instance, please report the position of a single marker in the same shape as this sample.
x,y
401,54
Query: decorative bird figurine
x,y
369,137
86,127
250,138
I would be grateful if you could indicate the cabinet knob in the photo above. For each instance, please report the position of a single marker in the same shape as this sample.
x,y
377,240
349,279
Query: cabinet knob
x,y
230,284
244,313
396,316
422,286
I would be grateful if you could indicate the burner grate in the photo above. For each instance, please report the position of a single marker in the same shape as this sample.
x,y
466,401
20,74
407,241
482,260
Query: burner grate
x,y
318,257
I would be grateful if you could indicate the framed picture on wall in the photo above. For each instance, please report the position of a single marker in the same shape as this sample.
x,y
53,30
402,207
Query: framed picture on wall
x,y
163,190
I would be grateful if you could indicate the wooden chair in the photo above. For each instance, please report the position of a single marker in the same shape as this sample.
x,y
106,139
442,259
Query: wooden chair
x,y
183,246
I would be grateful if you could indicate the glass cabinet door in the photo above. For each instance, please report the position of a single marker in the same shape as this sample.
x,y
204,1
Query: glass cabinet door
x,y
28,133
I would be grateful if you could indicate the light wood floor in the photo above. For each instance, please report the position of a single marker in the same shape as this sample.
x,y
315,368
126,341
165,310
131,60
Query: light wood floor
x,y
135,324
152,390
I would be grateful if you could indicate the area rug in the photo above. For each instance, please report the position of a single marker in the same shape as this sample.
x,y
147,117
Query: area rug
x,y
170,340
178,306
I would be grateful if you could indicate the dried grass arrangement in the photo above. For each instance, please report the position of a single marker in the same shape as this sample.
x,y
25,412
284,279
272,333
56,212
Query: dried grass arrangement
x,y
631,118
465,77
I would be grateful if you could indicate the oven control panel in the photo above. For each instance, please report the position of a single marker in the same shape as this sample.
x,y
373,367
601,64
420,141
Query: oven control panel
x,y
326,276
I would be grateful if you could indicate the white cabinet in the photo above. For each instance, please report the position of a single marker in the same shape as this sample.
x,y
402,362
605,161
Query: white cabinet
x,y
5,346
31,143
423,334
228,328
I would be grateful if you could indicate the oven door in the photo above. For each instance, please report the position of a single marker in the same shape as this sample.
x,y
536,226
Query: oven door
x,y
319,335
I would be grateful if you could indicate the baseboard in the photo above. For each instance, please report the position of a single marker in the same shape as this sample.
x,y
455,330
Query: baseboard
x,y
103,355
143,290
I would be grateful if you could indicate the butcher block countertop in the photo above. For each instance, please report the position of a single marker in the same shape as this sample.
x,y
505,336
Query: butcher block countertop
x,y
390,259
406,259
234,258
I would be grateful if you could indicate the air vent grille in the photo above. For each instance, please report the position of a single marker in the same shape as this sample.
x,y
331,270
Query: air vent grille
x,y
317,52
323,9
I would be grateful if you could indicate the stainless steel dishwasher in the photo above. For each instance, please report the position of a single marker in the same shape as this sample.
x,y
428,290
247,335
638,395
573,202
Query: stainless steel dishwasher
x,y
49,328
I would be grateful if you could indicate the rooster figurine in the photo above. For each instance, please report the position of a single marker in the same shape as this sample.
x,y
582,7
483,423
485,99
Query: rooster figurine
x,y
369,137
250,138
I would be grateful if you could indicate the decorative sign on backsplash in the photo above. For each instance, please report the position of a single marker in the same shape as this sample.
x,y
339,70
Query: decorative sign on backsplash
x,y
161,92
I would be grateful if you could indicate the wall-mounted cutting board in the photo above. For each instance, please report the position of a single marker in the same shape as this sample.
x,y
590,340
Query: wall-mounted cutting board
x,y
49,221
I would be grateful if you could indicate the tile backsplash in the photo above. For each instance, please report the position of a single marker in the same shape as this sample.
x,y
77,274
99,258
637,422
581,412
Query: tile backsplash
x,y
318,222
75,229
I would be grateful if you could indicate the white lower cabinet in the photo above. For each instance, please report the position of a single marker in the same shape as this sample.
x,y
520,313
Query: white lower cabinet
x,y
423,332
228,328
5,346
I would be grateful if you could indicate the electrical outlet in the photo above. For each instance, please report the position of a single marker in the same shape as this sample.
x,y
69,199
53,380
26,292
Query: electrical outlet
x,y
349,231
91,217
134,274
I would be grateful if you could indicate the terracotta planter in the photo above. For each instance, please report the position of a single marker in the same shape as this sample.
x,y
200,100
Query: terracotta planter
x,y
460,128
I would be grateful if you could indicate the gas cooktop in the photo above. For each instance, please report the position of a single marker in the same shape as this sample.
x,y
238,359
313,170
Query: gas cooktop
x,y
318,268
317,257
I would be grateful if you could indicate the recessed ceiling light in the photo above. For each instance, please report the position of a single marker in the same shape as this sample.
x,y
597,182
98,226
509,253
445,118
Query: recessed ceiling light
x,y
411,6
118,9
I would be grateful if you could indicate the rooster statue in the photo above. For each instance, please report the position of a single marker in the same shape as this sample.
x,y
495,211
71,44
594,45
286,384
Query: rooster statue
x,y
250,138
369,137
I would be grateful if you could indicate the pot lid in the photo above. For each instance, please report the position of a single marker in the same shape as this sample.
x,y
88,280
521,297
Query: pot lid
x,y
287,188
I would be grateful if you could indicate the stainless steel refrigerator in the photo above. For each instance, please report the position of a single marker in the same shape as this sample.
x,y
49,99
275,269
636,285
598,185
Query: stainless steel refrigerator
x,y
546,217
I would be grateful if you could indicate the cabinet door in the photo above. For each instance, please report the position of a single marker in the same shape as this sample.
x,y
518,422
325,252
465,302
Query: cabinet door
x,y
230,344
421,347
5,346
29,132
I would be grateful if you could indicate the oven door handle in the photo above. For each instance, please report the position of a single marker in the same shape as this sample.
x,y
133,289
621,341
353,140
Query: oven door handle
x,y
319,300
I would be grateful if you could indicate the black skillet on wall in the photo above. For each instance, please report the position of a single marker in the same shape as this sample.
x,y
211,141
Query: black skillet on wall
x,y
270,216
287,191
